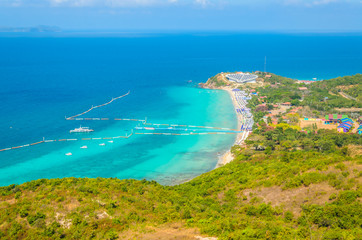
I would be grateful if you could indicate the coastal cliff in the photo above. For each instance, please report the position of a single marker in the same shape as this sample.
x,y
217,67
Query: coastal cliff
x,y
215,82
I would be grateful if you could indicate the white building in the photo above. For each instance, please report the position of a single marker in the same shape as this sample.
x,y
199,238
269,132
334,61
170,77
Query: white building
x,y
242,77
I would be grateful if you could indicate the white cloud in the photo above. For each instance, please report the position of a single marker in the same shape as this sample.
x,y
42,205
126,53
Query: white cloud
x,y
74,3
126,3
203,3
311,3
109,3
322,2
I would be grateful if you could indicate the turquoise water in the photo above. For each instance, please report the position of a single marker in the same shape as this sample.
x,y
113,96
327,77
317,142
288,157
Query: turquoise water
x,y
167,159
45,78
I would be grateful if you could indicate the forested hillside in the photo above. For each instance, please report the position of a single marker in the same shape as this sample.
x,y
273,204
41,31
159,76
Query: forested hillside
x,y
321,95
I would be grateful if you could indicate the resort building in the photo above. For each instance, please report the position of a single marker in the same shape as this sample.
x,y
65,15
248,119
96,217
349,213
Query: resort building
x,y
304,81
346,125
334,118
287,104
242,77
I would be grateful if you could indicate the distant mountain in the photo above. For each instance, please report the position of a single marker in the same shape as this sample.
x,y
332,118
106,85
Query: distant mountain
x,y
31,29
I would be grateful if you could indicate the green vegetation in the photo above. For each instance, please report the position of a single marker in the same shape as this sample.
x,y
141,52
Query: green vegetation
x,y
323,96
288,138
348,84
222,203
284,184
216,81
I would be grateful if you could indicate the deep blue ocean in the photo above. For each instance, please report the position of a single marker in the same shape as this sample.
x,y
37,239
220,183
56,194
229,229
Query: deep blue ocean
x,y
44,78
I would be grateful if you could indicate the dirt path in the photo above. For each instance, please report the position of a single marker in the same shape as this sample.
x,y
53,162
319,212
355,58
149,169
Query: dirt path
x,y
347,96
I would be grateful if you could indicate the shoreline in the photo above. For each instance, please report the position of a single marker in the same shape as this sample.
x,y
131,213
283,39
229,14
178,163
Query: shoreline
x,y
228,157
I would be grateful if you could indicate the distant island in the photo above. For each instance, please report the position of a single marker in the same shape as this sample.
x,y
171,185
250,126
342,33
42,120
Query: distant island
x,y
36,29
296,176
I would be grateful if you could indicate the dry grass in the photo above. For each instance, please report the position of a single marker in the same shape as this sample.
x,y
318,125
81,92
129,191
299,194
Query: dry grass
x,y
349,109
347,87
280,110
320,124
174,231
355,150
292,199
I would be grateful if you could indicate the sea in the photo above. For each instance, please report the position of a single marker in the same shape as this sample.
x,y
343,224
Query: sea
x,y
46,77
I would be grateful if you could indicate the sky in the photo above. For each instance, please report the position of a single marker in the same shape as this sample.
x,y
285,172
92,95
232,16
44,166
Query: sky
x,y
175,15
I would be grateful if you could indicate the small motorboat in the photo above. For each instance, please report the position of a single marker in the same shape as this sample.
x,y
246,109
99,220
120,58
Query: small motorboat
x,y
102,144
83,147
69,154
110,141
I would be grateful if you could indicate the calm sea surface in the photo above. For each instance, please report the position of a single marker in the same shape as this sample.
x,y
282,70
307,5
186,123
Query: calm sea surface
x,y
44,78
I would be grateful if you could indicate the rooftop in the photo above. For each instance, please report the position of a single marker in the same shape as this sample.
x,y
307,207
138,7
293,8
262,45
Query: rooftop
x,y
241,77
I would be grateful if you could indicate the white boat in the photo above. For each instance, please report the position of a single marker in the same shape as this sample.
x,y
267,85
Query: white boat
x,y
84,147
102,144
110,141
69,154
81,130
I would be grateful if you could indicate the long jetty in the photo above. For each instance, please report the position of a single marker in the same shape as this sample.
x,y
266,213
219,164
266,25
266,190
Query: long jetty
x,y
65,140
98,106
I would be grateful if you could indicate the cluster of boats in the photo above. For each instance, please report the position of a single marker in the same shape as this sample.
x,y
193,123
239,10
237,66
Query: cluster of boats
x,y
84,130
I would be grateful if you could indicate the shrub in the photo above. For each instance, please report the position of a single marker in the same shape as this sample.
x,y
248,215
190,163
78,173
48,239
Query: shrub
x,y
288,216
347,197
15,229
33,218
333,196
112,235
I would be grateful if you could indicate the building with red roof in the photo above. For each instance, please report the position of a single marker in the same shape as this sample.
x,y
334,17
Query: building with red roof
x,y
288,104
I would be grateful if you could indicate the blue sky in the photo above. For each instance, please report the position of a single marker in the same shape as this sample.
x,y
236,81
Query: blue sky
x,y
241,15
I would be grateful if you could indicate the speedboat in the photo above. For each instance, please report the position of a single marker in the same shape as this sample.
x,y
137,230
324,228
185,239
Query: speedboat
x,y
69,154
110,141
102,144
84,147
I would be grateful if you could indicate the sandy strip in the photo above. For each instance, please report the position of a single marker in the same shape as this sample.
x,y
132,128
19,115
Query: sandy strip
x,y
228,156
